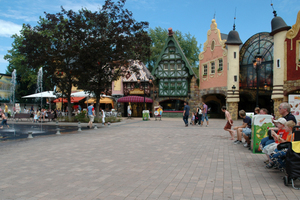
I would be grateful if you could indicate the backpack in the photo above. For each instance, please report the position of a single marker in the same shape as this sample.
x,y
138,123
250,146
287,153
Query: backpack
x,y
199,111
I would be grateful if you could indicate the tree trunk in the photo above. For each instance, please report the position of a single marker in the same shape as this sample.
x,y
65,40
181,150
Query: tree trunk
x,y
97,105
69,110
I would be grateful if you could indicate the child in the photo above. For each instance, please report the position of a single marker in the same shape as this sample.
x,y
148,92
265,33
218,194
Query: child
x,y
278,156
193,119
229,123
269,145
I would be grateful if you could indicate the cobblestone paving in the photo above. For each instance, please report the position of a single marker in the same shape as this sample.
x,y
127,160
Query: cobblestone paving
x,y
138,159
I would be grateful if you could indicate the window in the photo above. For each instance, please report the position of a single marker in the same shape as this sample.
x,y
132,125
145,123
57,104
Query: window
x,y
220,65
172,66
212,46
212,67
179,66
128,85
234,54
204,69
172,49
165,66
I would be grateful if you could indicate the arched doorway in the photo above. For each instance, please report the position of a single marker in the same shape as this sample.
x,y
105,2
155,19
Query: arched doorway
x,y
262,43
214,103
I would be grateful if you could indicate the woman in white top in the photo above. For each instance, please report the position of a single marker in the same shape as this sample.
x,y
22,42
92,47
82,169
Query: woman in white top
x,y
103,116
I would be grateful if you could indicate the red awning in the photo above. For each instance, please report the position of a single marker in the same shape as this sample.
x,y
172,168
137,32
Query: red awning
x,y
64,100
134,99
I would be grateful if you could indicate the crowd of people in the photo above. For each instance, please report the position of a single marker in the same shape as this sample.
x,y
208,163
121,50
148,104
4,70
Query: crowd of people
x,y
281,133
198,117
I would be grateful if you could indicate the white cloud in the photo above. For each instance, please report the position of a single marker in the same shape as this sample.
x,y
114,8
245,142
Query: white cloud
x,y
70,5
15,14
7,28
2,59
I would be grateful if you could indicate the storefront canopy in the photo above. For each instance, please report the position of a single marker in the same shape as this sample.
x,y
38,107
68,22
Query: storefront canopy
x,y
134,99
73,100
102,100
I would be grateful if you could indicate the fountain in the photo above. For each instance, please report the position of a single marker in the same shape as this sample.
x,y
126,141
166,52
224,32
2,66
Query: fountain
x,y
40,89
13,90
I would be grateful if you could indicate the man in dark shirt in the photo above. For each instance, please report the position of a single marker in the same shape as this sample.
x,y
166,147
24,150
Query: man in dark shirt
x,y
186,112
285,110
244,128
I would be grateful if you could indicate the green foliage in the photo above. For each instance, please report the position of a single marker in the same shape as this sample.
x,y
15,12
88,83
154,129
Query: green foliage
x,y
84,119
187,42
196,70
26,77
85,49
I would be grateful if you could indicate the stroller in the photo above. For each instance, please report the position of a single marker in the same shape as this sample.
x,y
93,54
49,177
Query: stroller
x,y
293,159
292,164
157,112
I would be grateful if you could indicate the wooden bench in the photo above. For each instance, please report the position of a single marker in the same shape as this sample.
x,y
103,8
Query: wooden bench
x,y
50,116
19,116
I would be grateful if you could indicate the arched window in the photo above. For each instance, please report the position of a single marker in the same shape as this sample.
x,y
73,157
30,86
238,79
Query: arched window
x,y
262,43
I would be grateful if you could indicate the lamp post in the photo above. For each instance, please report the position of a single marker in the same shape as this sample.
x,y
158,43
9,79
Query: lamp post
x,y
150,81
256,66
233,89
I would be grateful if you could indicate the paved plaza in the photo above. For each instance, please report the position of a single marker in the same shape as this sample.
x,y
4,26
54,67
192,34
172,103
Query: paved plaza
x,y
137,159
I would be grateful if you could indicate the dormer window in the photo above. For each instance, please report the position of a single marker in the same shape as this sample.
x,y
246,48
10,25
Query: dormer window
x,y
172,66
171,49
165,66
179,66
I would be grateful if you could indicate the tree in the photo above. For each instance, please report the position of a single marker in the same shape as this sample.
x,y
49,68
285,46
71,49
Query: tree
x,y
54,45
86,49
26,77
113,37
187,42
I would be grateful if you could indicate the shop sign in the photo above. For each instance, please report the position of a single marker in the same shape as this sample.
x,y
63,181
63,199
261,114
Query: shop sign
x,y
136,91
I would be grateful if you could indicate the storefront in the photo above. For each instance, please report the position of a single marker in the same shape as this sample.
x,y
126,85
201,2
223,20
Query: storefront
x,y
137,105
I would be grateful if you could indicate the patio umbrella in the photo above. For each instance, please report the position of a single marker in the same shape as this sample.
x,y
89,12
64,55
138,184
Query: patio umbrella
x,y
81,94
46,94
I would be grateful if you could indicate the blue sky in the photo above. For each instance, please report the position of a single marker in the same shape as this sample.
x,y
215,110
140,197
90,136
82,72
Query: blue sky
x,y
188,16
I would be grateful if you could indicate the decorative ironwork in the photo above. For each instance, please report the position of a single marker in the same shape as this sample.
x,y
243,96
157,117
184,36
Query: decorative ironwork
x,y
263,43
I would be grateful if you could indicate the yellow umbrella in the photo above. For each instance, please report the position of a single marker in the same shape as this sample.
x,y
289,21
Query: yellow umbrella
x,y
102,100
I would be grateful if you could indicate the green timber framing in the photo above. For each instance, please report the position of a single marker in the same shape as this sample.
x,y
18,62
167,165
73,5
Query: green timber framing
x,y
172,70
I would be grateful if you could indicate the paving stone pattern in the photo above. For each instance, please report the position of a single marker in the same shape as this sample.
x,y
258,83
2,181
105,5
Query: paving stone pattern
x,y
138,159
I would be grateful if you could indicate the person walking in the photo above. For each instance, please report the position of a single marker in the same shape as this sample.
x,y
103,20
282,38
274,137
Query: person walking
x,y
204,114
103,116
4,120
229,123
91,114
6,110
186,113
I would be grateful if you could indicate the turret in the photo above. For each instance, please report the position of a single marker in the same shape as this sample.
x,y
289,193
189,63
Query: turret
x,y
233,69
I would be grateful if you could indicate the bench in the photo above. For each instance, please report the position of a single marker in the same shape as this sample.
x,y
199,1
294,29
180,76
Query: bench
x,y
50,116
19,116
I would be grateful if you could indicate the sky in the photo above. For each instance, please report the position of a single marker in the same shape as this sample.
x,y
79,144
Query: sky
x,y
187,16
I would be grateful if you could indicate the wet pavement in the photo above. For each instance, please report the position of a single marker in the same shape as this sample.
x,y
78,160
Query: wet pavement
x,y
140,160
20,130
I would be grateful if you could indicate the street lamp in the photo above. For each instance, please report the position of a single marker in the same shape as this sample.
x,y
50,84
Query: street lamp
x,y
150,81
256,66
233,89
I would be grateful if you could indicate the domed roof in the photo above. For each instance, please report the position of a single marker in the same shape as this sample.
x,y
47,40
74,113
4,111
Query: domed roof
x,y
278,24
233,38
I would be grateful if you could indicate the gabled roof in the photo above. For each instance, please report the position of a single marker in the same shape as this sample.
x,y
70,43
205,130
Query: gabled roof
x,y
172,38
144,73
